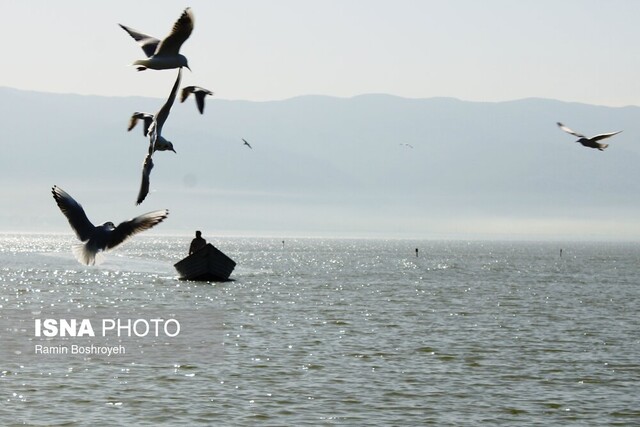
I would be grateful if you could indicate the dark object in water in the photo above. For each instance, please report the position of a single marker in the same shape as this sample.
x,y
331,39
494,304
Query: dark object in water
x,y
206,264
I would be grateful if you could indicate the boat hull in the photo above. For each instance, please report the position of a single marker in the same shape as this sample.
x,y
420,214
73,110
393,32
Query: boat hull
x,y
206,264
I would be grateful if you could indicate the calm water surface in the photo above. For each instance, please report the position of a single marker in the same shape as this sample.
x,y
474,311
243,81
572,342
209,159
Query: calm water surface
x,y
345,332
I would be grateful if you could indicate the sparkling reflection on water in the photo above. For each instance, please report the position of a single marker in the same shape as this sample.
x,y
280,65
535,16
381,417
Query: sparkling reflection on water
x,y
339,332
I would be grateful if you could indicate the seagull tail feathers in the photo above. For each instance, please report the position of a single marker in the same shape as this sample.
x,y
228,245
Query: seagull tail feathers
x,y
86,256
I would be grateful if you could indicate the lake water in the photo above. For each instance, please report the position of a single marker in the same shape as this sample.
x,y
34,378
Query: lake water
x,y
344,332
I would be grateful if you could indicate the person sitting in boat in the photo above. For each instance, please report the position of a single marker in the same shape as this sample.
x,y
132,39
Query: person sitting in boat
x,y
197,243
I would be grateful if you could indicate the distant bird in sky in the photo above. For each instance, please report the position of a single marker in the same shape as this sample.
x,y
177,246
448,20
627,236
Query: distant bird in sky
x,y
589,142
146,117
164,54
407,145
156,141
246,143
198,92
96,239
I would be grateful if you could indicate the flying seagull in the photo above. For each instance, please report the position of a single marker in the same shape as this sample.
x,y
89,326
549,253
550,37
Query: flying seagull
x,y
407,145
198,92
164,54
96,239
589,142
146,117
246,143
156,141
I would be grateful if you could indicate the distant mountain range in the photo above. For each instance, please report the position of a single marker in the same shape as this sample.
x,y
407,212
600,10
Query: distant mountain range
x,y
375,165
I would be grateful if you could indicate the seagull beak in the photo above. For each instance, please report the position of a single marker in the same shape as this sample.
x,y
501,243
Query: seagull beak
x,y
174,150
188,68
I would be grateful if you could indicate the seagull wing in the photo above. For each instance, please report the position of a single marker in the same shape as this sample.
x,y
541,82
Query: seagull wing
x,y
144,183
246,143
574,133
126,229
181,31
162,115
74,213
200,100
133,121
185,92
148,44
604,135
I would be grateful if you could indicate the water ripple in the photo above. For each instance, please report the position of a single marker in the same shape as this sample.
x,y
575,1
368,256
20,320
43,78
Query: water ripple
x,y
357,332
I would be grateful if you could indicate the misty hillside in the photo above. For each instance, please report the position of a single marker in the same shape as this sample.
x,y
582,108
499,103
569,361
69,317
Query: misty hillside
x,y
498,158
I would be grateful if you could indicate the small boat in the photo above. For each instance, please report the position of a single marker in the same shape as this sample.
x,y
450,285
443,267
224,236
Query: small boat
x,y
206,264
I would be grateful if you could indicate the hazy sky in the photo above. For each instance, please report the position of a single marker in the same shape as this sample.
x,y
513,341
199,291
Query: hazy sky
x,y
489,50
262,50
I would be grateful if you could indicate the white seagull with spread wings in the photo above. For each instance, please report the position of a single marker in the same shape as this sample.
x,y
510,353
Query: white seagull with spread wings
x,y
198,92
145,117
96,239
589,142
164,54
